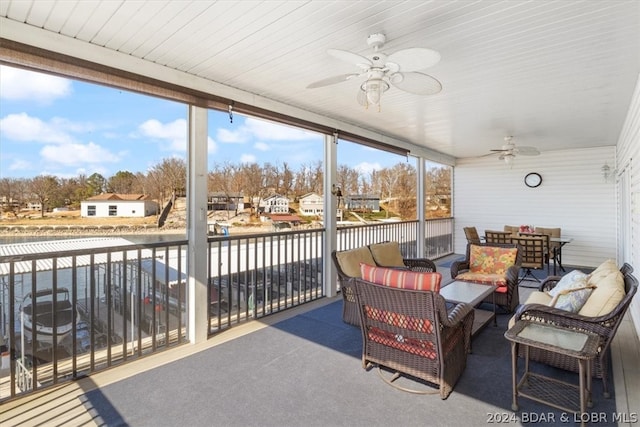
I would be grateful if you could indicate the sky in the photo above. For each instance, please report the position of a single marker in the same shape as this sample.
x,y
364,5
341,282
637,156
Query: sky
x,y
56,126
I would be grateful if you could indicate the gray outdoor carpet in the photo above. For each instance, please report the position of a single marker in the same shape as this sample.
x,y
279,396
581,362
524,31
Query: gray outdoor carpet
x,y
306,371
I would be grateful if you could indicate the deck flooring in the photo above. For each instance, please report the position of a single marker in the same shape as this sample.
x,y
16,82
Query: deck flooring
x,y
65,404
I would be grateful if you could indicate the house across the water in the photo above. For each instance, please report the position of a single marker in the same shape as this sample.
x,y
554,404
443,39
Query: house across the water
x,y
118,205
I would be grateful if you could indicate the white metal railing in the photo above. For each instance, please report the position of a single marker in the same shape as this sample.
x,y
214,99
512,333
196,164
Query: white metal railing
x,y
130,300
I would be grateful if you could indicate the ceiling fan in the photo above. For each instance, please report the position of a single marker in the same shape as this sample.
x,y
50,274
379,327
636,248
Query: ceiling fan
x,y
398,69
509,151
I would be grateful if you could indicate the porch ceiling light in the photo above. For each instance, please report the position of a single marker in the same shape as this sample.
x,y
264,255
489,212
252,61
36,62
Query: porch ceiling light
x,y
371,91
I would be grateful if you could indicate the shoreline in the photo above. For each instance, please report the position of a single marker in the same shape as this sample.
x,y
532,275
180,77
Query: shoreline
x,y
63,230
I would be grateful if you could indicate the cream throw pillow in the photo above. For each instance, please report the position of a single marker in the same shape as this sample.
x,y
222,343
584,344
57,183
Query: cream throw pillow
x,y
350,260
607,295
387,254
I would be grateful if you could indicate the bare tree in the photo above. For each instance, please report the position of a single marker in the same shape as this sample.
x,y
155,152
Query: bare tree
x,y
286,179
170,176
12,194
255,184
405,190
43,189
438,189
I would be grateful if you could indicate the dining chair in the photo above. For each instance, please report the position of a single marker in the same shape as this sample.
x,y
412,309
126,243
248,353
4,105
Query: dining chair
x,y
546,243
492,236
532,252
471,234
552,232
513,229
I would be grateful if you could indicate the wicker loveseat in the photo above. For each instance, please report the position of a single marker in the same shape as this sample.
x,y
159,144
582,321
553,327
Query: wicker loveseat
x,y
609,293
492,263
410,332
384,254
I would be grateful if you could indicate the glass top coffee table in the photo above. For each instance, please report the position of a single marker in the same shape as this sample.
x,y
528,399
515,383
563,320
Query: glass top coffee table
x,y
473,294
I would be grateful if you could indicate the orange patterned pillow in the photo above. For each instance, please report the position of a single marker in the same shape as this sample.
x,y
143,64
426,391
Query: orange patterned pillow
x,y
401,278
491,259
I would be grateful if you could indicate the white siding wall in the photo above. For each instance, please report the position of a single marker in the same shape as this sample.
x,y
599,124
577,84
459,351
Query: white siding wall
x,y
573,195
125,209
628,162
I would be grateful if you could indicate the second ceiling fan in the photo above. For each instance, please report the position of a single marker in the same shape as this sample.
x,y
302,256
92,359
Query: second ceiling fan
x,y
509,150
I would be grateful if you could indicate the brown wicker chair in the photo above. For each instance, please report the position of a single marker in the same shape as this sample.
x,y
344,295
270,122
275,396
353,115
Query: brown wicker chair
x,y
604,326
532,249
513,229
508,300
349,308
553,247
411,332
502,237
471,233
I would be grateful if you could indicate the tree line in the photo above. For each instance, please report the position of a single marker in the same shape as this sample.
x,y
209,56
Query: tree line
x,y
395,185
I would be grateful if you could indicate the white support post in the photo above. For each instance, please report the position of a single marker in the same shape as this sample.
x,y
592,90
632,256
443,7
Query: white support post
x,y
420,200
197,295
330,212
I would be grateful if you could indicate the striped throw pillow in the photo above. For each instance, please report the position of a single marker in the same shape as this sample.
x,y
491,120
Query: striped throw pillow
x,y
401,278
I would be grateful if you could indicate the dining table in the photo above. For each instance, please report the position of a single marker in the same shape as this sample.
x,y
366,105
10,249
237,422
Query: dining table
x,y
557,251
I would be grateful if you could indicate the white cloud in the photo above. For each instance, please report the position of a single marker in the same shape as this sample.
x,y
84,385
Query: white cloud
x,y
78,154
248,158
366,167
232,137
18,84
261,146
19,165
173,133
22,127
262,130
269,131
212,147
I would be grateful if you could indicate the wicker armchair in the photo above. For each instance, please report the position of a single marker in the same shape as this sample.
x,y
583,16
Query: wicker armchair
x,y
346,276
411,333
604,326
508,300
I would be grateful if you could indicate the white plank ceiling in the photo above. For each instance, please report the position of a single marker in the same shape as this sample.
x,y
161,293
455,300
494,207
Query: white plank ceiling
x,y
554,74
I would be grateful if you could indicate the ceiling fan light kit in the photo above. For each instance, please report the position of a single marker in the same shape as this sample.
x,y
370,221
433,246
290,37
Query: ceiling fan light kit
x,y
383,71
374,88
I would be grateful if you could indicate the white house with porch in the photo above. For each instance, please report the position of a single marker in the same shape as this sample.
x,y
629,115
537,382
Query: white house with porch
x,y
311,204
274,204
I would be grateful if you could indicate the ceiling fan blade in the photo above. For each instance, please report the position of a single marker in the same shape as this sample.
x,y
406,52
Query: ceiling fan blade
x,y
414,59
527,151
418,83
499,150
331,80
350,57
488,154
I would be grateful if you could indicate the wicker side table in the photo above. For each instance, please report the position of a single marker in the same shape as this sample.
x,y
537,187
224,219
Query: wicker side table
x,y
550,391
